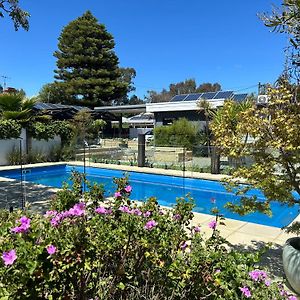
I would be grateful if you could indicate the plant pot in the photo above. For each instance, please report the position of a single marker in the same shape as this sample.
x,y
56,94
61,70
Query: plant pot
x,y
291,262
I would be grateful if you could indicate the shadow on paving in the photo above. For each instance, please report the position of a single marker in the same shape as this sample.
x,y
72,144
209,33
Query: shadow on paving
x,y
37,196
271,259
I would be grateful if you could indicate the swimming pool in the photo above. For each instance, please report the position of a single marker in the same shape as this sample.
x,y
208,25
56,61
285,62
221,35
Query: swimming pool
x,y
165,188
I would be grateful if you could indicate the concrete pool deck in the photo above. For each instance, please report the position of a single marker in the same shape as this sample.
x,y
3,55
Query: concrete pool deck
x,y
236,232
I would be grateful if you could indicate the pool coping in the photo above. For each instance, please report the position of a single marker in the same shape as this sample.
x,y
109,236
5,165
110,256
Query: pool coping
x,y
235,231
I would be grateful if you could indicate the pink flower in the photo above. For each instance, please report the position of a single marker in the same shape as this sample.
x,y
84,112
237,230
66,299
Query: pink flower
x,y
245,291
9,257
103,211
128,189
258,275
77,210
212,224
136,212
267,282
51,249
125,209
177,217
23,228
117,195
147,214
150,224
50,213
197,229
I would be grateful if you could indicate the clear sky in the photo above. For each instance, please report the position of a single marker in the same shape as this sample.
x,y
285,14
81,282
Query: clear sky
x,y
165,41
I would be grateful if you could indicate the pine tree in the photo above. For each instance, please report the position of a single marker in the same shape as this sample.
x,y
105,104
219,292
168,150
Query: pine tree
x,y
87,65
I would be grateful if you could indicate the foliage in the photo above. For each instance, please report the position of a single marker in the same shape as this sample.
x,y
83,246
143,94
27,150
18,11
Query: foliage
x,y
46,131
9,129
180,133
269,135
54,93
18,16
185,87
84,127
287,20
33,156
87,67
120,249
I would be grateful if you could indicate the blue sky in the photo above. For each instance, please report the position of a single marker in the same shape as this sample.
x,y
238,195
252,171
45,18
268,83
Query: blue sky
x,y
166,41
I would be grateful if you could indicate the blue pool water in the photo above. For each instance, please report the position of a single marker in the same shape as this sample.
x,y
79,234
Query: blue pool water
x,y
164,188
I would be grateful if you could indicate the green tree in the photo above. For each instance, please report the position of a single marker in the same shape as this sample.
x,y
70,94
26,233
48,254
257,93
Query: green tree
x,y
181,133
187,86
18,16
287,20
87,66
54,93
208,87
127,76
270,137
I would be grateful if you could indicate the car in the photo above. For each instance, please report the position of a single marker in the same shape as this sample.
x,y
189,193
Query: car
x,y
149,136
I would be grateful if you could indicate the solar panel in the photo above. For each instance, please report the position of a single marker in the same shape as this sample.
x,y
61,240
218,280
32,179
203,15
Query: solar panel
x,y
239,97
192,97
223,95
209,95
178,98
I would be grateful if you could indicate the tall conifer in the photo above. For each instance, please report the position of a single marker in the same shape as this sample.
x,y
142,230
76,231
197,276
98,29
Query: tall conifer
x,y
87,66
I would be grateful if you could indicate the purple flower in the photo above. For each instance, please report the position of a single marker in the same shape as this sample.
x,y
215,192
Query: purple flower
x,y
212,224
25,225
136,212
147,214
283,292
125,209
292,297
177,217
128,189
150,224
258,275
161,212
197,229
183,245
50,213
103,211
213,200
77,210
217,271
117,195
267,282
9,257
245,291
51,249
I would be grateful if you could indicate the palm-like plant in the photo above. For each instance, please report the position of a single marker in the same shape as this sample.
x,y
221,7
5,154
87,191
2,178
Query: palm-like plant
x,y
16,107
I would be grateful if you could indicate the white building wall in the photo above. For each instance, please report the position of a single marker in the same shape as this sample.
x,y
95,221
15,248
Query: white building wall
x,y
7,146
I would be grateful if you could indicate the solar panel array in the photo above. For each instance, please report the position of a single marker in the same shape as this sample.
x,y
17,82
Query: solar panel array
x,y
209,96
51,106
240,97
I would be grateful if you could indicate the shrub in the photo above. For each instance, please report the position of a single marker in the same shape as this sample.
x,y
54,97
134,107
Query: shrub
x,y
120,249
181,133
9,129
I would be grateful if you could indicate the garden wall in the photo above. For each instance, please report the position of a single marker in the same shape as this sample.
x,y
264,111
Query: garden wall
x,y
42,146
